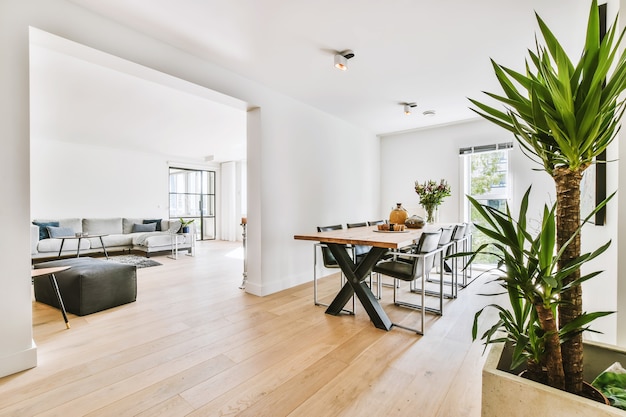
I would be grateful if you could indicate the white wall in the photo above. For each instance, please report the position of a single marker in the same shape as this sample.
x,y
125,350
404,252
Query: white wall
x,y
304,167
17,350
434,154
73,180
317,170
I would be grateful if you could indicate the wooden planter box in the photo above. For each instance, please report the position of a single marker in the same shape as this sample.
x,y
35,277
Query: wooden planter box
x,y
506,394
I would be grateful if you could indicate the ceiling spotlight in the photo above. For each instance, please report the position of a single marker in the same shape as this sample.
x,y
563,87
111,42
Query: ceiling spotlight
x,y
408,107
341,59
429,113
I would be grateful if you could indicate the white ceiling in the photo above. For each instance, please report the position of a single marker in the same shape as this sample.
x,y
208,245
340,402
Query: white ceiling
x,y
82,95
433,53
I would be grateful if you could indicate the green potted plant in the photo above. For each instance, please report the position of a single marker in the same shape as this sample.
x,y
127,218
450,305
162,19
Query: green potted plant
x,y
528,271
563,117
184,225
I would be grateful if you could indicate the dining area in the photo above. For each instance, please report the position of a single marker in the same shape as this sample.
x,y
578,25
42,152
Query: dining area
x,y
385,268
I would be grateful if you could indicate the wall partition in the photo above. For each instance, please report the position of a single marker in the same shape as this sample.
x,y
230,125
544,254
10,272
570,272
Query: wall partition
x,y
192,197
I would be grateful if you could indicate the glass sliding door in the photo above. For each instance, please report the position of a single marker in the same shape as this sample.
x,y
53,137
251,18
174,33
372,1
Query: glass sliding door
x,y
192,196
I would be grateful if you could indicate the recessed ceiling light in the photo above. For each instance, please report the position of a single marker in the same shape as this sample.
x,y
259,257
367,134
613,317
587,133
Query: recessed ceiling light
x,y
341,59
408,107
429,113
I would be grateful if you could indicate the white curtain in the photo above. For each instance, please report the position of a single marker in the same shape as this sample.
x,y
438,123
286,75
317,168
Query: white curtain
x,y
229,210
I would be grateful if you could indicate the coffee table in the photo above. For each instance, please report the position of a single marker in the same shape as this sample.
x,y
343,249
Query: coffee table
x,y
63,238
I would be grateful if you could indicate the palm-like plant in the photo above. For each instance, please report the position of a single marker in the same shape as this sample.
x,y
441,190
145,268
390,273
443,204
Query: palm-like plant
x,y
529,273
564,116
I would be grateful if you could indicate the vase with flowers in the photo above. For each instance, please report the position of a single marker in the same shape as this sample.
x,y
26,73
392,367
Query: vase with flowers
x,y
431,195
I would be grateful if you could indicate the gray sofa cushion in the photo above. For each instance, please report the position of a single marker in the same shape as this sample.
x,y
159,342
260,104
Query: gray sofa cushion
x,y
73,223
150,227
151,240
110,226
156,221
43,229
53,245
127,223
60,231
111,241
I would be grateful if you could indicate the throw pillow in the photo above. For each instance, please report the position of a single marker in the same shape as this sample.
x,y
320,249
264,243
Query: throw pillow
x,y
43,232
157,221
150,227
174,226
60,231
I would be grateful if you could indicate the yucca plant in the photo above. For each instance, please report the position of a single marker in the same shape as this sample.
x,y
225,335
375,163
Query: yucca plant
x,y
527,270
563,117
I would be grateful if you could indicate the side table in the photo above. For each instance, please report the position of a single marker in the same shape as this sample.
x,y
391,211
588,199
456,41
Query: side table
x,y
55,286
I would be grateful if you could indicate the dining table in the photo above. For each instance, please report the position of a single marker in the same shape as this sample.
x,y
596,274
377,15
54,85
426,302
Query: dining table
x,y
381,242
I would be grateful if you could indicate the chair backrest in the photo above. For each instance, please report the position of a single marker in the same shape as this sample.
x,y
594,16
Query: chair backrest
x,y
446,235
327,257
428,242
459,231
360,224
359,250
375,222
329,228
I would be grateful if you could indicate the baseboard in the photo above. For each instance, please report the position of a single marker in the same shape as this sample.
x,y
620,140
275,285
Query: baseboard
x,y
19,361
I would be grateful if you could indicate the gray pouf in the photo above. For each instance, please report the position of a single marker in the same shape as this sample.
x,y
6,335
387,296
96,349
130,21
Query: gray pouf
x,y
90,285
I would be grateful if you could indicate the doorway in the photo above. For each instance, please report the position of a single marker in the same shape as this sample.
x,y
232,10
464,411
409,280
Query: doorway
x,y
192,198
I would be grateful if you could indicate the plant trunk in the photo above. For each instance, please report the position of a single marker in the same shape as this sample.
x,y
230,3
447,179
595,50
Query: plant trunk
x,y
567,221
553,359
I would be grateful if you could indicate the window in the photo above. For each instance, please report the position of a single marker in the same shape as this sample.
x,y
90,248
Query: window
x,y
192,196
486,180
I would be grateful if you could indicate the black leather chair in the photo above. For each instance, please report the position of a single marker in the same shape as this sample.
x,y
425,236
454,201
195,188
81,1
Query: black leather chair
x,y
359,250
411,266
451,265
329,261
447,244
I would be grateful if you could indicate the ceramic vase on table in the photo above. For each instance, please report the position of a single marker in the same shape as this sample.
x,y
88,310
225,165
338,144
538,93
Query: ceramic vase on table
x,y
398,215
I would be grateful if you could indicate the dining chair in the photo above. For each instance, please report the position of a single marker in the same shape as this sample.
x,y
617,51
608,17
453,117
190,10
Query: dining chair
x,y
411,266
466,243
375,222
446,243
359,250
451,265
328,261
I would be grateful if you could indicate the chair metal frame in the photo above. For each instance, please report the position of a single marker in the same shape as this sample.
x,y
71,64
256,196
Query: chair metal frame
x,y
459,241
424,275
342,279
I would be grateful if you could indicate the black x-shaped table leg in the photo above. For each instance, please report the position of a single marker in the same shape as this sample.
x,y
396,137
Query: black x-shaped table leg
x,y
355,276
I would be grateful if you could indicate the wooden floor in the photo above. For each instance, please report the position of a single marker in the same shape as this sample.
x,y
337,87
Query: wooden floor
x,y
194,344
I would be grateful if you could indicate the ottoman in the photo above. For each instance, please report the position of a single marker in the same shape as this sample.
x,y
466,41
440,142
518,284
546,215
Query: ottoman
x,y
90,285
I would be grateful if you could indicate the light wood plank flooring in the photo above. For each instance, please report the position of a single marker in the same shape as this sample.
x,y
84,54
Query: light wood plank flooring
x,y
194,344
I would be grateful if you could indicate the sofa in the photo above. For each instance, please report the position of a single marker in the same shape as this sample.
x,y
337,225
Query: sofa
x,y
122,234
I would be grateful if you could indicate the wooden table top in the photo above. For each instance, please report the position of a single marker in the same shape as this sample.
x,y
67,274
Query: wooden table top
x,y
47,271
369,236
